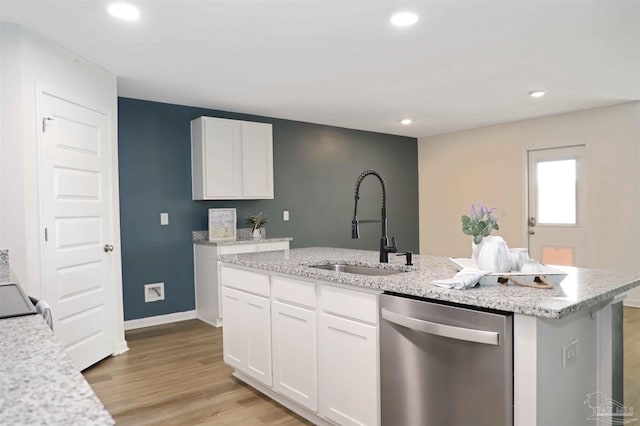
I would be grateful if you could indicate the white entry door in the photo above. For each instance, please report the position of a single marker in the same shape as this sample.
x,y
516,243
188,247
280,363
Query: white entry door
x,y
78,277
557,211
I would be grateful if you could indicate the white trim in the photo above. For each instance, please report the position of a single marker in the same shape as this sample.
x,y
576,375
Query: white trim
x,y
632,303
525,370
159,320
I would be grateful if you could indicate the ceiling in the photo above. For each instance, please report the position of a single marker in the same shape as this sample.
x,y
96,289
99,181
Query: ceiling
x,y
465,64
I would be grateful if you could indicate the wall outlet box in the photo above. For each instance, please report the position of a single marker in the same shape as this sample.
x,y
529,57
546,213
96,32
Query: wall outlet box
x,y
570,354
153,292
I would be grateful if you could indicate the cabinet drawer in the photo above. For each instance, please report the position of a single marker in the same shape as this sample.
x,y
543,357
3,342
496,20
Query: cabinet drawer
x,y
252,282
294,291
278,245
349,303
253,248
240,248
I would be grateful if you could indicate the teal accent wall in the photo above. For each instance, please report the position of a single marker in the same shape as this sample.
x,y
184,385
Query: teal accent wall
x,y
315,169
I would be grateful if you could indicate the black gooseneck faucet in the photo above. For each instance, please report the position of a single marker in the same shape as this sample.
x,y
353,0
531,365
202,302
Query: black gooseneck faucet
x,y
385,248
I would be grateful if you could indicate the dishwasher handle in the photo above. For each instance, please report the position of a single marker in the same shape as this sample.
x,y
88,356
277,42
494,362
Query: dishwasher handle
x,y
452,332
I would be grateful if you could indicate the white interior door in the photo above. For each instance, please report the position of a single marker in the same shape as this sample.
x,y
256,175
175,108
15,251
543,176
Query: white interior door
x,y
78,278
557,207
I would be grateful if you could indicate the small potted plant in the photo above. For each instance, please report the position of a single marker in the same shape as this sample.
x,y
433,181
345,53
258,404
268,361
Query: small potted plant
x,y
479,224
257,221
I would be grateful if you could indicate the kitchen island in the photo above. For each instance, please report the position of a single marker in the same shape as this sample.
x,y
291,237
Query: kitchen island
x,y
546,388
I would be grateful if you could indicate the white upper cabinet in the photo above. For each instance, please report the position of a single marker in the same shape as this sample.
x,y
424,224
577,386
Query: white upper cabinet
x,y
231,159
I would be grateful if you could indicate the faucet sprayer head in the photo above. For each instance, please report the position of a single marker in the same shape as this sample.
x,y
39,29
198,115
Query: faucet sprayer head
x,y
355,229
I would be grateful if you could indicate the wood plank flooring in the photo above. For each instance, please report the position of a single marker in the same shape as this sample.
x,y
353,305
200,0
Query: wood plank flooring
x,y
631,330
174,375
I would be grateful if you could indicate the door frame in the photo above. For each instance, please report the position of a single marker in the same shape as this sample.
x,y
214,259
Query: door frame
x,y
525,181
119,345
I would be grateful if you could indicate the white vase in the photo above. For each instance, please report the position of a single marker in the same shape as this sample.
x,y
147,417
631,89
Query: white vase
x,y
494,255
256,233
475,250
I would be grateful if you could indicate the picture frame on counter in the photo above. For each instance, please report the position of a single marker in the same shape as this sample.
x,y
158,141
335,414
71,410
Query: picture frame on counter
x,y
222,224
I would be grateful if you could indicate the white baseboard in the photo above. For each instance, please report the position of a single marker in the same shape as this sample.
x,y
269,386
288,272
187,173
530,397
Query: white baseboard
x,y
632,303
159,320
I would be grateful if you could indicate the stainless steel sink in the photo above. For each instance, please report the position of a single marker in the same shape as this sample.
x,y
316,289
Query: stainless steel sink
x,y
360,270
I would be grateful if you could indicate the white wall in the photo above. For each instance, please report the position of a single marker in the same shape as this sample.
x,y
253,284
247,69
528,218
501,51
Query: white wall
x,y
488,165
29,59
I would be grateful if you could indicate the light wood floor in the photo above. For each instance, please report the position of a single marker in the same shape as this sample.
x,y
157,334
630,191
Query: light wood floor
x,y
174,375
631,330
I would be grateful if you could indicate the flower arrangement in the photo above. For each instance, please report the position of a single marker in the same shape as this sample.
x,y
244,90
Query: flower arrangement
x,y
257,221
480,222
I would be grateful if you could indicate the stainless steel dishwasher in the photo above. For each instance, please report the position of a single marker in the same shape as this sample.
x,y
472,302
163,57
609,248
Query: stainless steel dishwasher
x,y
444,365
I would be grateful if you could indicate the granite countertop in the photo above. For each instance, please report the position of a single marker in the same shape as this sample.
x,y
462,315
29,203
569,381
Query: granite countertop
x,y
38,382
581,289
6,275
202,237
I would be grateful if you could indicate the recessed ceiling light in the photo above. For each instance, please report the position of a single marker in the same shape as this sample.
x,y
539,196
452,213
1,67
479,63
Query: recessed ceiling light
x,y
406,121
537,93
404,18
124,11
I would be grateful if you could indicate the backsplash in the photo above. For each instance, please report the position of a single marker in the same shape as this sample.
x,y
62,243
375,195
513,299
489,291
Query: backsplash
x,y
4,257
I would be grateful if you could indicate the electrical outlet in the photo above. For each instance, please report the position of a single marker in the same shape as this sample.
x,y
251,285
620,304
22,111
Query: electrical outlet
x,y
285,215
570,354
153,292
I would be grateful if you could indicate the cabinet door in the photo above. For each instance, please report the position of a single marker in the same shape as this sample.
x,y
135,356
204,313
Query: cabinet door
x,y
257,318
257,160
347,370
294,353
221,157
247,333
234,332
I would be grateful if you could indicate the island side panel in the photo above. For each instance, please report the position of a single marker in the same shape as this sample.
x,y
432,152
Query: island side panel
x,y
548,389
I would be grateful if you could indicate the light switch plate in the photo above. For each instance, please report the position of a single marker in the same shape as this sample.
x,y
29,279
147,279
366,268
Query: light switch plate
x,y
164,218
285,215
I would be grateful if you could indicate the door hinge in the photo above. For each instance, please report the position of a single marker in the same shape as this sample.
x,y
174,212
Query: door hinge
x,y
46,234
44,123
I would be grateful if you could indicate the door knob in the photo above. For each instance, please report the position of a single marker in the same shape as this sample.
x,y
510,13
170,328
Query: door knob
x,y
108,248
532,232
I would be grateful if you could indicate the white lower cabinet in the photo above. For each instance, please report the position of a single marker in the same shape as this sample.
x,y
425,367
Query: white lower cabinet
x,y
324,341
348,371
247,333
295,372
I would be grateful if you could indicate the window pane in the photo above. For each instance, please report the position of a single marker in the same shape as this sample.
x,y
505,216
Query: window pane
x,y
557,192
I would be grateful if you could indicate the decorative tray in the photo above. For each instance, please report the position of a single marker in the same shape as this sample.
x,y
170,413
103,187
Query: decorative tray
x,y
547,273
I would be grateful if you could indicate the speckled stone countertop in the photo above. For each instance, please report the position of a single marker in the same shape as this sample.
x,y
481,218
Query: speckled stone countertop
x,y
202,237
6,275
38,383
581,289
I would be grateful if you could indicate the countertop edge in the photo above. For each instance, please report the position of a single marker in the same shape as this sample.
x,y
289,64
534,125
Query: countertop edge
x,y
241,242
